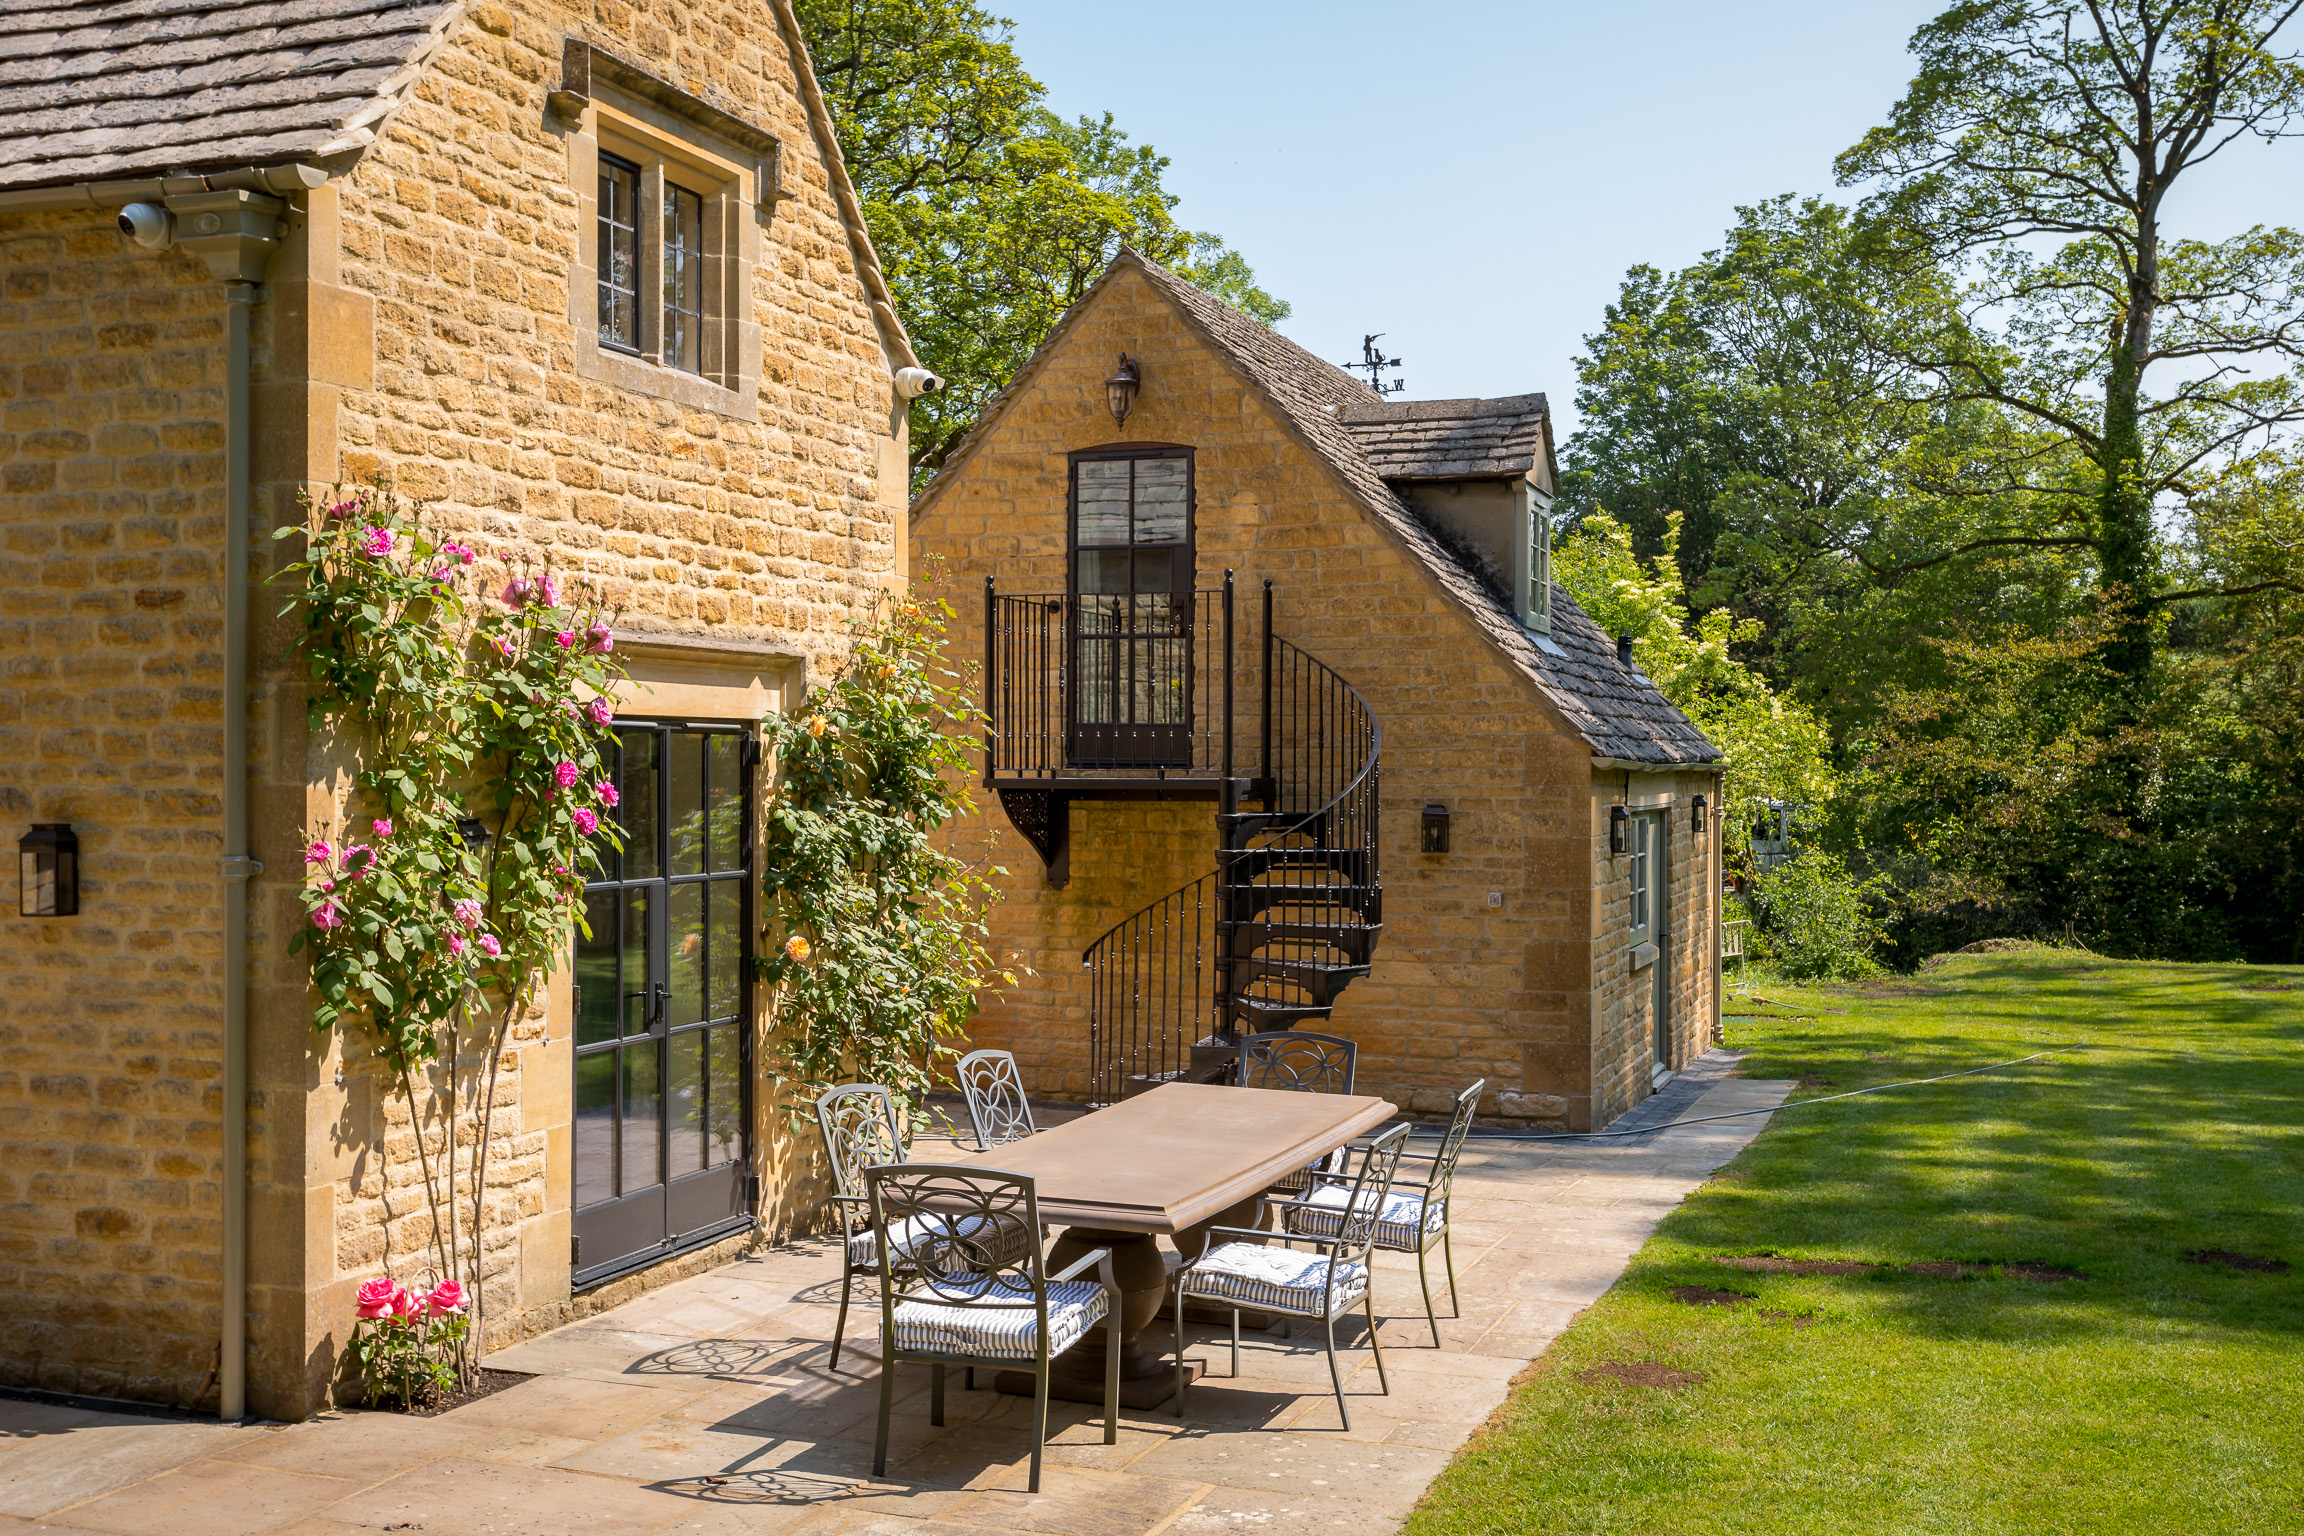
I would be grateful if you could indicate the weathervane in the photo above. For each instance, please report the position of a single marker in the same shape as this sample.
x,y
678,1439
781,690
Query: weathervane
x,y
1373,360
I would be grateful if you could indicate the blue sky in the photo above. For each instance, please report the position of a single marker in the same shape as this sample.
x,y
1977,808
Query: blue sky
x,y
1472,179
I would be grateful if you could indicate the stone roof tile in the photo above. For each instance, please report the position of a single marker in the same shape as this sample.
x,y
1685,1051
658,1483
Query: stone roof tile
x,y
116,88
1450,439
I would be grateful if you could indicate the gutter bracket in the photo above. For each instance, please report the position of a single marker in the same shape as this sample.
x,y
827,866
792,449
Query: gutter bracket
x,y
238,866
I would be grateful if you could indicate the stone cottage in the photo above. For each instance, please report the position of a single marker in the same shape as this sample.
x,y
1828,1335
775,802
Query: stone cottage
x,y
1289,728
590,281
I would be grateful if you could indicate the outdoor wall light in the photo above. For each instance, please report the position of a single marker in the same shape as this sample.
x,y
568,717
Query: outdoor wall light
x,y
1435,828
1696,814
1120,389
1619,822
474,831
50,857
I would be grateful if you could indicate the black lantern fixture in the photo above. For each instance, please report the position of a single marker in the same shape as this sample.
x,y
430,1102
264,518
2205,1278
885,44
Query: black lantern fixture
x,y
1435,828
1120,389
474,831
50,858
1619,820
1696,814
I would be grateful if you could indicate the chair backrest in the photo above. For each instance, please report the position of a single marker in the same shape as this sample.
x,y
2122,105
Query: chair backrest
x,y
994,1090
1299,1061
973,1239
859,1125
1379,1164
1452,1144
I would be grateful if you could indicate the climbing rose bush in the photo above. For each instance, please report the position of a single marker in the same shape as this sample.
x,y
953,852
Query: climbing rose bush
x,y
474,689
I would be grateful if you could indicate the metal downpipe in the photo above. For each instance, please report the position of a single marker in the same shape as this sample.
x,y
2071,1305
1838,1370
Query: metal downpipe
x,y
232,1370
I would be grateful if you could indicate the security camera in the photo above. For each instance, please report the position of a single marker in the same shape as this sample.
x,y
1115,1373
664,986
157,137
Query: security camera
x,y
149,225
912,383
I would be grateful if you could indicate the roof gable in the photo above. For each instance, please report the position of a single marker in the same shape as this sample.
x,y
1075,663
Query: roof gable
x,y
1614,707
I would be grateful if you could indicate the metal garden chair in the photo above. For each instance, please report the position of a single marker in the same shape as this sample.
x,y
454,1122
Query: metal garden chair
x,y
994,1090
1258,1272
977,1290
1413,1217
1298,1061
859,1125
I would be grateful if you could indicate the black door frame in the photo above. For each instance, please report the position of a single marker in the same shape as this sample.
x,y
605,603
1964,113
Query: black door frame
x,y
632,1229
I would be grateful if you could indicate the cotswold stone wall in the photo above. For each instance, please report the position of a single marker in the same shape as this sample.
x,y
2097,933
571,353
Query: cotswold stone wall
x,y
1461,989
1623,1034
415,330
766,537
111,611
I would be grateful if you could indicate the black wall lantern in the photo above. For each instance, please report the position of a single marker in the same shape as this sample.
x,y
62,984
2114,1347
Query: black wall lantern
x,y
50,857
1435,828
1619,819
1696,814
474,832
1120,389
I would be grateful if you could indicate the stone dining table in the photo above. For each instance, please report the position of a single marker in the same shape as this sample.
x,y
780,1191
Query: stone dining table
x,y
1171,1162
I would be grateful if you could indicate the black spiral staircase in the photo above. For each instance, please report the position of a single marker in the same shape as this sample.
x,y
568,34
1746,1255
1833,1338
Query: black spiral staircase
x,y
1285,922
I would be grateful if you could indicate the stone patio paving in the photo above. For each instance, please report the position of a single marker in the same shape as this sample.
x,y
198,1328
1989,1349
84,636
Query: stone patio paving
x,y
707,1407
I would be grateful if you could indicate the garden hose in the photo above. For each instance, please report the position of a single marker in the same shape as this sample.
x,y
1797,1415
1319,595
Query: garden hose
x,y
1478,1133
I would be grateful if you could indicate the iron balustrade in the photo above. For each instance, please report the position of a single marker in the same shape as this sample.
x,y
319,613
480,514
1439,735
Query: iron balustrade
x,y
1104,696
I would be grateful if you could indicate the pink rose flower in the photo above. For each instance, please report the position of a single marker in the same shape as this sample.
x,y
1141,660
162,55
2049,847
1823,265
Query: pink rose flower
x,y
405,1302
567,639
601,714
516,591
566,775
457,552
586,822
375,1298
603,641
468,912
547,590
505,645
456,945
489,946
381,827
359,858
447,1297
376,541
327,915
608,796
318,853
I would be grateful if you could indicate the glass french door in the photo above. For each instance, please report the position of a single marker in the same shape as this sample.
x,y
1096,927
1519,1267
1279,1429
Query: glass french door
x,y
1132,572
663,988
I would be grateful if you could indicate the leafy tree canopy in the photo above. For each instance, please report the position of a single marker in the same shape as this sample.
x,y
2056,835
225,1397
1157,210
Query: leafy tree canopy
x,y
2039,145
991,214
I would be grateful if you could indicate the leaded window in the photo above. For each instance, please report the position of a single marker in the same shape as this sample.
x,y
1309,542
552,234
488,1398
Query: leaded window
x,y
619,269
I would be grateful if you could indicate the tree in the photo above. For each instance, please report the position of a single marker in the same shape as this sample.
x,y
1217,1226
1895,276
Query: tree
x,y
1820,473
1776,749
991,215
2039,145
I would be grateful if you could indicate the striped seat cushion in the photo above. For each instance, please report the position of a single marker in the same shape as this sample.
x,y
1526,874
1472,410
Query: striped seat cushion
x,y
1406,1220
911,1233
1276,1279
925,1325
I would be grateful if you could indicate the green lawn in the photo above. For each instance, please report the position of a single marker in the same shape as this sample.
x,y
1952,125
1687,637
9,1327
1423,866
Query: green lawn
x,y
2152,1394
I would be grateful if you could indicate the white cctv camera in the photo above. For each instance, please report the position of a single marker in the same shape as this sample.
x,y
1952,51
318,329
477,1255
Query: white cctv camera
x,y
149,225
912,383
